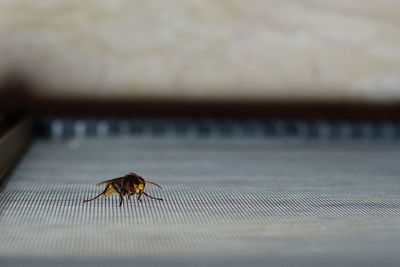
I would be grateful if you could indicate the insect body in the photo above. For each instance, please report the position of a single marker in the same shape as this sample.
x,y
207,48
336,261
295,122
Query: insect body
x,y
127,185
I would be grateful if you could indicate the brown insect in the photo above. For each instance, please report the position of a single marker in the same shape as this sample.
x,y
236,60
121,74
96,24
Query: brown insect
x,y
127,185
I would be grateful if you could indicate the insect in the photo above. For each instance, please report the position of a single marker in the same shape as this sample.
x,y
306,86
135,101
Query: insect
x,y
127,185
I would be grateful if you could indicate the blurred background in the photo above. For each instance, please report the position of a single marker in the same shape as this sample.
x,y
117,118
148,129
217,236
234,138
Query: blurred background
x,y
296,51
273,125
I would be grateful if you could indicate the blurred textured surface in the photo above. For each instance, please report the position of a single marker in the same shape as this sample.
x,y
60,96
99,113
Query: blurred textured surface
x,y
305,49
226,203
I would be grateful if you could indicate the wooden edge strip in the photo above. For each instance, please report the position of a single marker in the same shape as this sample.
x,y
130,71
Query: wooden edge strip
x,y
14,143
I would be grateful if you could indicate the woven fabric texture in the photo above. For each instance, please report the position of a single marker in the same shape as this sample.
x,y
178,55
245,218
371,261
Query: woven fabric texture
x,y
225,203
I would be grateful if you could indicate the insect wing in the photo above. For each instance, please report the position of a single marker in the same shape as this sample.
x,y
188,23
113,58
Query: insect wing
x,y
110,181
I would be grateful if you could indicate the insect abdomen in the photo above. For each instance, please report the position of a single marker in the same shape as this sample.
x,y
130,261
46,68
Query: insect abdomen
x,y
110,190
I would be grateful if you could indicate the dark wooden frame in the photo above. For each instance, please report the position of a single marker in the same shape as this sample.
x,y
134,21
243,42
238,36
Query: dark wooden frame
x,y
14,142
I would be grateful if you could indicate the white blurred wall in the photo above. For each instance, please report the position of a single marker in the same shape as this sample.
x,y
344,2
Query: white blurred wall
x,y
274,49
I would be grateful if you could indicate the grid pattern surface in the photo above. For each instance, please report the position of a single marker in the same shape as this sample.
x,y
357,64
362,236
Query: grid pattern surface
x,y
226,203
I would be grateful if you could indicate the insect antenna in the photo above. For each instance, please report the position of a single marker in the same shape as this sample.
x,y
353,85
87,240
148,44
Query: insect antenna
x,y
148,182
156,198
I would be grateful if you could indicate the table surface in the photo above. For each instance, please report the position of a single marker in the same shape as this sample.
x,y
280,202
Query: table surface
x,y
225,203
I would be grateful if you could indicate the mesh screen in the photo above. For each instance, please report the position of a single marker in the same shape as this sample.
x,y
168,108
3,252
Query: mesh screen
x,y
226,203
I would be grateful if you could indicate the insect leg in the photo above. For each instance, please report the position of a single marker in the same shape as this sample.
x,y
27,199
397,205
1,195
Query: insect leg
x,y
102,193
121,199
151,196
139,196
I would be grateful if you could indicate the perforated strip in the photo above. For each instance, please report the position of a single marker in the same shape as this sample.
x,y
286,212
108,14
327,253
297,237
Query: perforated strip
x,y
221,128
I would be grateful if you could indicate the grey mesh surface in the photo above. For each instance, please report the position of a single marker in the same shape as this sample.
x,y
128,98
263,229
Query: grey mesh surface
x,y
226,203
